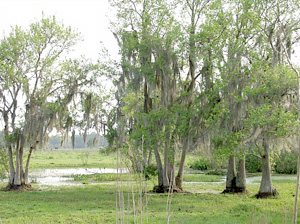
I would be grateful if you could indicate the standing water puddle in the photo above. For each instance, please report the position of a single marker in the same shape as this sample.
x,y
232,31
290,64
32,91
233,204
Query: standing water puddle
x,y
249,180
62,177
257,179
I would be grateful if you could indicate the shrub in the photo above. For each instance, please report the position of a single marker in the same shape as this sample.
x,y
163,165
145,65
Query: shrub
x,y
286,162
253,164
150,170
201,163
216,172
106,150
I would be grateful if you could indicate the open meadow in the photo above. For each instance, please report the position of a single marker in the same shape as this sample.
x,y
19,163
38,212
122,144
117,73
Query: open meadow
x,y
91,198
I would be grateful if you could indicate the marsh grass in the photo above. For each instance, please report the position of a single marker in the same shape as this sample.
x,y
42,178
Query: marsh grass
x,y
72,159
99,177
130,193
105,177
97,203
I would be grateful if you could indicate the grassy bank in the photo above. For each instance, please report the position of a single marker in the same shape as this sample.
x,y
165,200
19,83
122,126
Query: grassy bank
x,y
95,201
96,204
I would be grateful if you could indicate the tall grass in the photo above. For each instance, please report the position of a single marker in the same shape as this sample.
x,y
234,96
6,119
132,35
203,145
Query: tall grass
x,y
134,205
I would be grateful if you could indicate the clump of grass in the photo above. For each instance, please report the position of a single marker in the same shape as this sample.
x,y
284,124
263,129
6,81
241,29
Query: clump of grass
x,y
100,177
95,177
216,172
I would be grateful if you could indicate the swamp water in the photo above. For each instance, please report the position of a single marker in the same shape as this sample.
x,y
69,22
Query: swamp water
x,y
63,177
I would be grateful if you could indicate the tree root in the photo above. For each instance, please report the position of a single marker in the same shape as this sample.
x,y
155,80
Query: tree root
x,y
18,188
274,192
163,189
234,190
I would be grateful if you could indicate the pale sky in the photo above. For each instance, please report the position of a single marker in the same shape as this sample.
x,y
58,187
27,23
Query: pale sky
x,y
90,17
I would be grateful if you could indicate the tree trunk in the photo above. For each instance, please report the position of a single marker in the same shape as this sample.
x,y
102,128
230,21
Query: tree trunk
x,y
21,165
149,157
179,177
158,188
241,177
26,175
10,151
169,166
166,170
171,173
231,176
17,179
11,166
266,189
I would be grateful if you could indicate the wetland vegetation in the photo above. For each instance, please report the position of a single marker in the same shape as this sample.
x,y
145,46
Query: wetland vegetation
x,y
195,121
93,201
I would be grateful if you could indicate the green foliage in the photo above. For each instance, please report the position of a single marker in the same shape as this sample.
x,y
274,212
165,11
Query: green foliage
x,y
150,171
133,104
4,167
286,162
219,172
253,163
201,163
105,151
224,144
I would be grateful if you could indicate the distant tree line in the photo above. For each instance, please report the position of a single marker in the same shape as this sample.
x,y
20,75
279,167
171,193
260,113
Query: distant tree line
x,y
55,142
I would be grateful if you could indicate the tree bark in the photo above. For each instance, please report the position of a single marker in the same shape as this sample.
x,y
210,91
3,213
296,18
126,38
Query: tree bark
x,y
26,175
166,170
21,165
241,177
172,184
17,179
231,176
159,168
179,177
11,166
169,160
9,148
266,188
